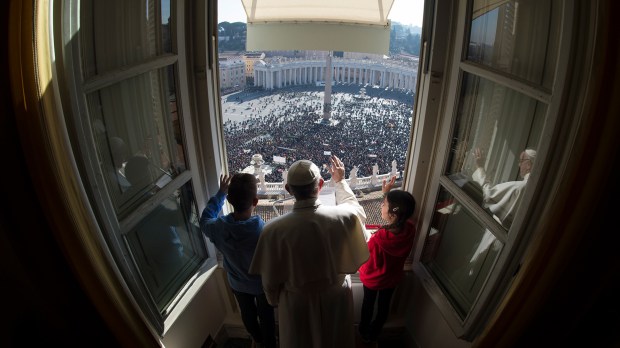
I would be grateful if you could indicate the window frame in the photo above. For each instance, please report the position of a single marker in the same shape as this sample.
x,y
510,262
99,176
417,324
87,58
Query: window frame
x,y
516,239
111,230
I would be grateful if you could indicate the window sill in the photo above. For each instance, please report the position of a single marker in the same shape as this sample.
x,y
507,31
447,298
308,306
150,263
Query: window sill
x,y
444,306
188,293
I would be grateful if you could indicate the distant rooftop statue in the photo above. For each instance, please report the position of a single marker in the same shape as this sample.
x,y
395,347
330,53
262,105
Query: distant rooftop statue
x,y
257,159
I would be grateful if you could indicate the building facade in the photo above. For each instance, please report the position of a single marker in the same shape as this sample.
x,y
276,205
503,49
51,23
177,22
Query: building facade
x,y
283,72
250,60
232,74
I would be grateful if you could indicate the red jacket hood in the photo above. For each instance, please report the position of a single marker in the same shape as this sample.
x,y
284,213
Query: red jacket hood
x,y
398,245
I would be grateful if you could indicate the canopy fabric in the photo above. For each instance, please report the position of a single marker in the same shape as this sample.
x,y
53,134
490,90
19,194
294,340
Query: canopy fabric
x,y
318,37
328,25
371,12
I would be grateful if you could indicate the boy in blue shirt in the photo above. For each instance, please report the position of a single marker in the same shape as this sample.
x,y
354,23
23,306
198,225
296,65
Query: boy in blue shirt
x,y
235,235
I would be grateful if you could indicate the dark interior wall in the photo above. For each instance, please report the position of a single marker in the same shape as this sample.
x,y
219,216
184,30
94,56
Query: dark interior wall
x,y
583,307
43,303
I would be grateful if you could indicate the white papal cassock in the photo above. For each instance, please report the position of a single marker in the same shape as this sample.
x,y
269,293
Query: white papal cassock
x,y
305,258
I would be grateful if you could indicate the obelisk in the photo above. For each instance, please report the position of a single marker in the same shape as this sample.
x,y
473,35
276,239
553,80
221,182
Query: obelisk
x,y
327,101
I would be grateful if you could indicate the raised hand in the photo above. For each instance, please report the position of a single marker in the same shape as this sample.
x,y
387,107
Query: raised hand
x,y
336,169
224,182
479,157
387,185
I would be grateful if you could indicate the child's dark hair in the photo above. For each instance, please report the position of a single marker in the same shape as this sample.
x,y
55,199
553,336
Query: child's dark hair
x,y
402,204
242,191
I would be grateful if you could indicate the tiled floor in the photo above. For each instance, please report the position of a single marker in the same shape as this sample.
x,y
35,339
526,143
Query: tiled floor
x,y
389,340
238,343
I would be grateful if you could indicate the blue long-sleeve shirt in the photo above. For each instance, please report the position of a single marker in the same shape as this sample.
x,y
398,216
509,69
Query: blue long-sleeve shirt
x,y
236,240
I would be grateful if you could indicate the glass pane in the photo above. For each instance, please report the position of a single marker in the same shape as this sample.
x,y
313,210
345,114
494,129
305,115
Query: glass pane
x,y
494,126
116,33
460,252
517,37
165,248
137,134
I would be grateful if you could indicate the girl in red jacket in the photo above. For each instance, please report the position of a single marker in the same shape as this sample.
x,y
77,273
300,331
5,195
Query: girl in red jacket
x,y
389,246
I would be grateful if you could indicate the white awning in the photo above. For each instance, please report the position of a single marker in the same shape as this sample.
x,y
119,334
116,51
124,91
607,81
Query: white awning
x,y
328,25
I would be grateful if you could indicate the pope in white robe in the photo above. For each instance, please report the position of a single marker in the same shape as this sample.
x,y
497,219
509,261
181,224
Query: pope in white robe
x,y
306,256
503,199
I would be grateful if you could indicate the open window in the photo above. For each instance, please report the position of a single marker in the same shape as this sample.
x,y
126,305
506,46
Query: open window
x,y
127,129
492,151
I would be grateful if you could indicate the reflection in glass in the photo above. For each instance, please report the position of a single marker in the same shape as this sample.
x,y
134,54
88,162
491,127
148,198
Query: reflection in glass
x,y
494,125
514,36
163,247
460,253
131,120
116,33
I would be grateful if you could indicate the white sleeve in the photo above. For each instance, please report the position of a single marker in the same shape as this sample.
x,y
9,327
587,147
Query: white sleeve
x,y
480,176
346,197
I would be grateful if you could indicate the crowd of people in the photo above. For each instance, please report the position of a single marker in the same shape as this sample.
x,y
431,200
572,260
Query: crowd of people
x,y
368,128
